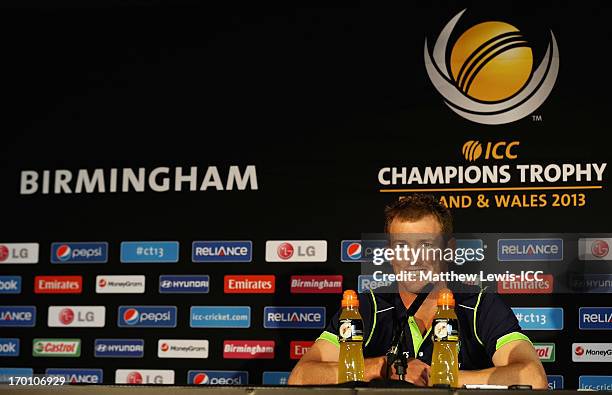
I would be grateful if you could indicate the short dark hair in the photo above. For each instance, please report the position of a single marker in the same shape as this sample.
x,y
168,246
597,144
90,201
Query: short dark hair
x,y
416,206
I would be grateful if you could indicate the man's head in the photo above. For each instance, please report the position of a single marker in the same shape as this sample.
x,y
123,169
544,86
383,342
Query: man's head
x,y
419,222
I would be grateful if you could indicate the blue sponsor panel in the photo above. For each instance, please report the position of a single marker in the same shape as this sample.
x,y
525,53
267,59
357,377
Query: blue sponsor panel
x,y
220,317
222,251
119,348
539,318
591,283
184,284
18,316
593,318
555,382
529,250
77,376
217,377
359,250
149,251
9,347
7,373
276,317
275,378
146,317
10,284
78,252
595,383
366,282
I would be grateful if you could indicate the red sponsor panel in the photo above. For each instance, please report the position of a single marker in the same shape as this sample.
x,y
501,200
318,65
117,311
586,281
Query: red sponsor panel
x,y
298,348
58,284
545,286
249,284
316,284
248,349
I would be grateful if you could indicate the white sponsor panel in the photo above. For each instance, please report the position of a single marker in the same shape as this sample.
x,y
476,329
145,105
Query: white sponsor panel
x,y
106,284
76,316
296,251
592,352
595,249
182,348
144,376
25,253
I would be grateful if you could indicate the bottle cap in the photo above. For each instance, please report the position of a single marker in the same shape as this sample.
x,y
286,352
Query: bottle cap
x,y
446,298
349,299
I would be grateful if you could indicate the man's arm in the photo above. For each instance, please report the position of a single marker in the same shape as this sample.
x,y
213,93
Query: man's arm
x,y
515,363
320,365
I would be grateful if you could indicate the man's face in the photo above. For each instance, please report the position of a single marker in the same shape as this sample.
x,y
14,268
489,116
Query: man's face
x,y
423,234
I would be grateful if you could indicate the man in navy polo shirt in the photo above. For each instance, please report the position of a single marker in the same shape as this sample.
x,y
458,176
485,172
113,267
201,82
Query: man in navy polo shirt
x,y
493,350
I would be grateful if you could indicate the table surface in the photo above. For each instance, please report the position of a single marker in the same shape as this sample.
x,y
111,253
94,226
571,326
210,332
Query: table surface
x,y
244,390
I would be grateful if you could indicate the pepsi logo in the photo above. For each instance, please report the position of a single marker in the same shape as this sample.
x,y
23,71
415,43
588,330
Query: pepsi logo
x,y
201,378
285,251
130,316
66,316
353,250
600,248
164,347
134,378
102,283
4,253
63,252
579,351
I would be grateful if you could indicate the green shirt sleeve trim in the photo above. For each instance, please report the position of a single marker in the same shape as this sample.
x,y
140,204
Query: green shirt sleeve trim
x,y
374,321
330,337
475,313
510,337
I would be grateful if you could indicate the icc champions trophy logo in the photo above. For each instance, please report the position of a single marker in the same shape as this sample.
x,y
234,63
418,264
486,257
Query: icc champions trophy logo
x,y
491,79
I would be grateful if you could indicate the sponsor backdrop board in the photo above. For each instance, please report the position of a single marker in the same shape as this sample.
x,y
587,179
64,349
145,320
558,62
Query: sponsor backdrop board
x,y
193,183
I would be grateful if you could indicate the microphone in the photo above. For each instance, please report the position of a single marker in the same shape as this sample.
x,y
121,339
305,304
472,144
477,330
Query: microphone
x,y
394,356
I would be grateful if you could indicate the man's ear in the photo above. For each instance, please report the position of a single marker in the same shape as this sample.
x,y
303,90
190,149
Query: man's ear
x,y
451,243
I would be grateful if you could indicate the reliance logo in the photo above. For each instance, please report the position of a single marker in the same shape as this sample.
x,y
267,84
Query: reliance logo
x,y
222,251
276,317
530,250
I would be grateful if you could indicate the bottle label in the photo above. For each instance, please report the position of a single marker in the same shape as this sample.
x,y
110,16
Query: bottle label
x,y
445,330
351,330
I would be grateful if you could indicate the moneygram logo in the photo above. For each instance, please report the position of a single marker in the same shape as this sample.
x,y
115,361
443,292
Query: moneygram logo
x,y
217,377
106,284
144,376
592,352
490,78
246,284
58,284
276,317
316,284
248,349
472,150
74,376
56,347
175,348
595,318
545,351
222,251
119,348
94,252
146,317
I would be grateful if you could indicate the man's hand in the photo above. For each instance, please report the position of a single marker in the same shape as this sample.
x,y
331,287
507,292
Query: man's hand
x,y
417,372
